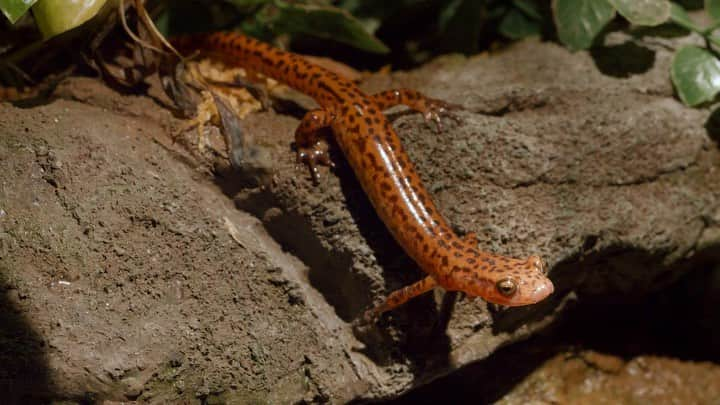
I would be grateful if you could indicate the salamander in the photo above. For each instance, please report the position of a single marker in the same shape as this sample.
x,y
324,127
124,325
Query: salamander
x,y
386,174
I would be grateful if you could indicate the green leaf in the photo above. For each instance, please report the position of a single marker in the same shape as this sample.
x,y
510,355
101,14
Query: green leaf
x,y
679,16
643,12
460,24
695,73
529,7
579,21
448,13
14,9
516,25
248,3
54,17
380,9
713,8
323,22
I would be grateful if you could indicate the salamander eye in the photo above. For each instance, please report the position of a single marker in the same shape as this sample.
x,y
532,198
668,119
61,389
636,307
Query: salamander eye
x,y
506,287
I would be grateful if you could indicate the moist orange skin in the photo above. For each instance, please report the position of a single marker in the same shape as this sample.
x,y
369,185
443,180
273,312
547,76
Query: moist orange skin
x,y
386,174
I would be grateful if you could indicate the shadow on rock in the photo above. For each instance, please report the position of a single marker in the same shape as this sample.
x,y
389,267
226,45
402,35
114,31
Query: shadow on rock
x,y
712,125
24,369
420,325
680,321
623,60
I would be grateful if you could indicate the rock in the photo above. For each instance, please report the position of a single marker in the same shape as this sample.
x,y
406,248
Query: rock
x,y
611,185
133,387
612,181
577,378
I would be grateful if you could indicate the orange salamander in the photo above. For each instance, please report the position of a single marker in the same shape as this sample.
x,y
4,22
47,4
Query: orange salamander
x,y
386,174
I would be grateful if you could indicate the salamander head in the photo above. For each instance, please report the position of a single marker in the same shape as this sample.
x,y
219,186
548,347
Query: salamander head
x,y
506,281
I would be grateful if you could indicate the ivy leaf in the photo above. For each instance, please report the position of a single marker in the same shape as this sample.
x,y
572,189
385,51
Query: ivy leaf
x,y
679,16
530,8
713,8
460,24
695,73
643,12
14,9
579,21
322,22
54,17
248,4
516,25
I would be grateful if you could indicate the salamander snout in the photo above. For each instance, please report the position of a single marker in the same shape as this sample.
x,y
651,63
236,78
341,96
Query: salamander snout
x,y
534,283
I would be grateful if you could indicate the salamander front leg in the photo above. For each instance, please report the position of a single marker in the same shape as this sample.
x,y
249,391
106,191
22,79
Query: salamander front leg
x,y
311,150
430,108
399,297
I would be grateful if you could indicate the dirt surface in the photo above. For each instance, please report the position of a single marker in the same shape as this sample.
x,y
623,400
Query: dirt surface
x,y
594,378
127,273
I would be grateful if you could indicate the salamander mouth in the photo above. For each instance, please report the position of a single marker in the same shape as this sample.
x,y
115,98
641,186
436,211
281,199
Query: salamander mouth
x,y
537,294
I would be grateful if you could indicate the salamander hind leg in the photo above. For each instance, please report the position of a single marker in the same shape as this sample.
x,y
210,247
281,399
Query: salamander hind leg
x,y
311,149
430,108
399,297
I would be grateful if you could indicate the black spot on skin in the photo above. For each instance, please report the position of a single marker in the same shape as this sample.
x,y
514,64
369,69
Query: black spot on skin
x,y
444,261
361,144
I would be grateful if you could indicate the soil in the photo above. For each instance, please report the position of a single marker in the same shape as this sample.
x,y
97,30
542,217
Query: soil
x,y
136,265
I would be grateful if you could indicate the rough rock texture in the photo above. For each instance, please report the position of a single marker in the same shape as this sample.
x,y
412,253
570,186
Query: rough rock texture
x,y
612,181
591,377
127,275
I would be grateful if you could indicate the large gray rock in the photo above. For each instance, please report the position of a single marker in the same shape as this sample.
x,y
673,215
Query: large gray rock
x,y
127,275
